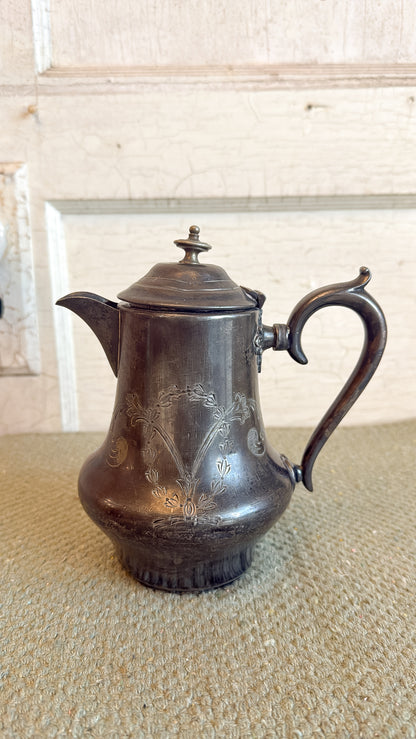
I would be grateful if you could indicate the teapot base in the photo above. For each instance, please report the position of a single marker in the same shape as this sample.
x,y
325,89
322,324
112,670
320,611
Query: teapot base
x,y
192,577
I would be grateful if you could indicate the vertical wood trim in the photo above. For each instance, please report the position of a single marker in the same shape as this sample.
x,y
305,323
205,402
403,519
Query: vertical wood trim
x,y
64,339
42,39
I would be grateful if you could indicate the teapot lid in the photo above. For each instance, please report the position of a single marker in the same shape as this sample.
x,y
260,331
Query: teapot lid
x,y
189,285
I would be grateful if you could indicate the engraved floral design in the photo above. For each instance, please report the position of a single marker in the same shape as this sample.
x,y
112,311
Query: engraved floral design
x,y
189,503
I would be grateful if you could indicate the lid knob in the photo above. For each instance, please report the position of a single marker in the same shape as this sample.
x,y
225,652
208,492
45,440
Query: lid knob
x,y
192,246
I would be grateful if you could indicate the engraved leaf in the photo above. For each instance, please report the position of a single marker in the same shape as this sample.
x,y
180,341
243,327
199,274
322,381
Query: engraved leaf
x,y
134,408
210,401
188,485
151,415
197,393
164,400
166,397
224,429
152,475
133,401
149,430
159,491
218,487
223,467
173,501
225,447
149,455
206,505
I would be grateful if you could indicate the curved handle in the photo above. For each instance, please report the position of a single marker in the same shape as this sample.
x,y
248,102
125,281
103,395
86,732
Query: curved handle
x,y
352,295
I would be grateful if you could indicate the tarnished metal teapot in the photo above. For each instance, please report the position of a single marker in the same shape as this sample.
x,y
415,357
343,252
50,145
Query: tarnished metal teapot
x,y
186,481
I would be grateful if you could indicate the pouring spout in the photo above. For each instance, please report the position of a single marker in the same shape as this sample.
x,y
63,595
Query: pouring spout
x,y
102,316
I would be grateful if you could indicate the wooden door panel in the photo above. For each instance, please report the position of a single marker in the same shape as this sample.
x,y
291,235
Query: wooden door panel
x,y
288,132
163,34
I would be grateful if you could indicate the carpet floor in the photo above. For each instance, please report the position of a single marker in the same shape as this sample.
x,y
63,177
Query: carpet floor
x,y
317,639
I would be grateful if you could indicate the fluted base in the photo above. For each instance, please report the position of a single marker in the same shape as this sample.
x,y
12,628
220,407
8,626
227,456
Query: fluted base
x,y
192,577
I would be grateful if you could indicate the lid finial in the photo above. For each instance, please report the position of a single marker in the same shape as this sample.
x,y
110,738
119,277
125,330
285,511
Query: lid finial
x,y
192,246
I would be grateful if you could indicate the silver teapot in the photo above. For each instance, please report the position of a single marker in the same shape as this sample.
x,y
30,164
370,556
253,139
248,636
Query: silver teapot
x,y
186,481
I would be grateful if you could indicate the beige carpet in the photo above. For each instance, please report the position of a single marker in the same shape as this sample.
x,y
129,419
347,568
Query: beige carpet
x,y
318,639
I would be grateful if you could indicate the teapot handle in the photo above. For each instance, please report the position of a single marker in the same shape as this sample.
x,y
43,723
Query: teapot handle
x,y
288,336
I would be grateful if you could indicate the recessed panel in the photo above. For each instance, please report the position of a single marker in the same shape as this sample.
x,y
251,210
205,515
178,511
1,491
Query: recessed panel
x,y
140,33
285,255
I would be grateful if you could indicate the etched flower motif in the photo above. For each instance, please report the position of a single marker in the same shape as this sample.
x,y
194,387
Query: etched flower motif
x,y
136,413
166,397
242,407
188,503
197,393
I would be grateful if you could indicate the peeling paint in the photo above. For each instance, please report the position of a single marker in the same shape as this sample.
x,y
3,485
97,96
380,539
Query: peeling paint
x,y
19,340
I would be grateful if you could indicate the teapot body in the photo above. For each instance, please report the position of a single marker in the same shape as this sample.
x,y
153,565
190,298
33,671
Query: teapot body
x,y
186,482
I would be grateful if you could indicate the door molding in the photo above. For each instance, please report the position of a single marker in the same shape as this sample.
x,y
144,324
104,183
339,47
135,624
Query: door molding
x,y
277,203
101,80
64,340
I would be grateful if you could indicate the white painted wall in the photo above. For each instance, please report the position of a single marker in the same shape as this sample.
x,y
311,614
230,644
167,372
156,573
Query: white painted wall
x,y
287,131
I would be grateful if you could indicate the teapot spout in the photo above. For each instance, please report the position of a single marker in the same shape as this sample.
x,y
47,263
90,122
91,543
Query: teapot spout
x,y
102,316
